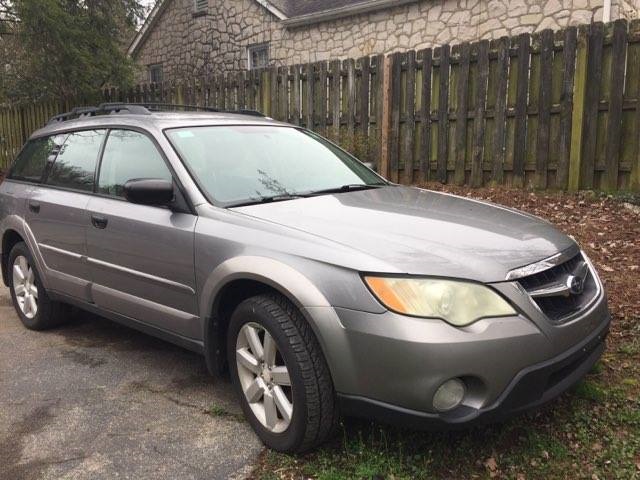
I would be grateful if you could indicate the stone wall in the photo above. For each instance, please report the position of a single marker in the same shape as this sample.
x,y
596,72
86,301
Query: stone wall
x,y
217,42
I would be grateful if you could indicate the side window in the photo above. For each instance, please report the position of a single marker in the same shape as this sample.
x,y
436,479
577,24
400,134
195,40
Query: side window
x,y
129,155
32,161
75,165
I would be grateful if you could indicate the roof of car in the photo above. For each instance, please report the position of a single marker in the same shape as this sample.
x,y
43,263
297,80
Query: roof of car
x,y
148,119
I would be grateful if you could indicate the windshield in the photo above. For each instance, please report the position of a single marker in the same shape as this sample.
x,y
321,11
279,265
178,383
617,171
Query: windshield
x,y
249,164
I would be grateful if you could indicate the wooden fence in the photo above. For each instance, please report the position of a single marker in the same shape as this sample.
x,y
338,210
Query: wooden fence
x,y
558,110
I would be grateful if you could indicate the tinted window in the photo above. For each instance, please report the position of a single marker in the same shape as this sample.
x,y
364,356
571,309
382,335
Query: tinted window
x,y
76,163
32,160
129,155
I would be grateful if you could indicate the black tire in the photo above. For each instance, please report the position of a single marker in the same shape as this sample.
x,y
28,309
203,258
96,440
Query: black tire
x,y
49,313
315,412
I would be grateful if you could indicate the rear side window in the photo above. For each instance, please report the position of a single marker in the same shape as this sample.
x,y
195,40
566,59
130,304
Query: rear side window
x,y
33,158
129,155
75,165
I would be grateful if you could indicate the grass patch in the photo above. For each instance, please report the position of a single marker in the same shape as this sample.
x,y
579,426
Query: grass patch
x,y
216,410
592,432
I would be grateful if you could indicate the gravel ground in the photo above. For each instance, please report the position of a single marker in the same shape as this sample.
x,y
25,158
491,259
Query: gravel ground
x,y
95,400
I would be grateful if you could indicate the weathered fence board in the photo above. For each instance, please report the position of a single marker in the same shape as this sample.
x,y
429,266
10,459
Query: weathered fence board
x,y
556,110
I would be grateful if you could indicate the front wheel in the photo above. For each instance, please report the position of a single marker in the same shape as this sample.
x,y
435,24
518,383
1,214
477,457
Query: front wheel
x,y
280,374
34,307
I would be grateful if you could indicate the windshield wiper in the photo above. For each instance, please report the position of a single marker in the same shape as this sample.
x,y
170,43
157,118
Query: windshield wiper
x,y
352,187
269,199
281,198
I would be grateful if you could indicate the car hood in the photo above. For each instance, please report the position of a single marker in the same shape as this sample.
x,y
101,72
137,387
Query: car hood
x,y
422,232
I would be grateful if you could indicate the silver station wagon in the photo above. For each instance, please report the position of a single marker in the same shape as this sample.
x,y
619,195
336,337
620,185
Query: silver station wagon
x,y
318,286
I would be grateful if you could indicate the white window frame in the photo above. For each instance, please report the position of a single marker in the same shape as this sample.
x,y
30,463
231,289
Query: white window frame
x,y
253,48
156,66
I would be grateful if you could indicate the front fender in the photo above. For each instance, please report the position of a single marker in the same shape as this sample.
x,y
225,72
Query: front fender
x,y
20,226
284,278
280,276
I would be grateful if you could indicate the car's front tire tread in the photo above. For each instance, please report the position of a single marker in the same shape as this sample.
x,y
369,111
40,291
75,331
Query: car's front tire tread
x,y
321,404
50,313
320,400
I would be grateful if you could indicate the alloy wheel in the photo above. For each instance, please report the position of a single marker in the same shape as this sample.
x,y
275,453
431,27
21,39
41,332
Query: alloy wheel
x,y
264,377
24,286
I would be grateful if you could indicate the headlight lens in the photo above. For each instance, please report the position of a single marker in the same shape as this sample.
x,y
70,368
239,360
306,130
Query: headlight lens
x,y
456,302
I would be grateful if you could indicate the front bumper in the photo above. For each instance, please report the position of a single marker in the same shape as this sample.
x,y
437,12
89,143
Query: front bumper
x,y
531,388
389,366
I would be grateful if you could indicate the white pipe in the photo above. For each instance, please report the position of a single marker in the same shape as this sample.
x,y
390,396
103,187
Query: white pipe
x,y
606,11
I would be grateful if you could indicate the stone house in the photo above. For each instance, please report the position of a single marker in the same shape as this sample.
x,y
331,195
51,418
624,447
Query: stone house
x,y
182,38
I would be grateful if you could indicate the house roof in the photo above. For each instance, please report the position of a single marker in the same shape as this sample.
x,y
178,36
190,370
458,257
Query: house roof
x,y
294,8
306,12
292,13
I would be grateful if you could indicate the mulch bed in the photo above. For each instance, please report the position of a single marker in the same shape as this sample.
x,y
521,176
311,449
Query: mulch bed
x,y
589,434
606,227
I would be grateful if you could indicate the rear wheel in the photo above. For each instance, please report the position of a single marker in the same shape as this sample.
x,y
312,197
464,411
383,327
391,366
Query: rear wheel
x,y
280,374
34,307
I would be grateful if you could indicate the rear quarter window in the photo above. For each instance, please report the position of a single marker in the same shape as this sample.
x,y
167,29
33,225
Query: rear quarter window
x,y
75,165
32,160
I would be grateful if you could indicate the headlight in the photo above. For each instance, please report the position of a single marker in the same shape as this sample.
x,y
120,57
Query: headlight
x,y
456,302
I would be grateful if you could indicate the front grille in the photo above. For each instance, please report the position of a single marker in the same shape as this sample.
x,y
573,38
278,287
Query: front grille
x,y
561,306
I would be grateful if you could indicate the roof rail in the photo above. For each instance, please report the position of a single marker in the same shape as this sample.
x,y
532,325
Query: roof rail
x,y
102,109
139,109
157,107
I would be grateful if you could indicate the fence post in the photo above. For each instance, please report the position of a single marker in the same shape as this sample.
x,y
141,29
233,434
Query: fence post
x,y
443,114
566,105
395,108
522,87
410,121
577,115
616,100
385,70
462,100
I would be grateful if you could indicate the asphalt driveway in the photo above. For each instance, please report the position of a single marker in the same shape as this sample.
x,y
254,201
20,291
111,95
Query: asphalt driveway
x,y
93,399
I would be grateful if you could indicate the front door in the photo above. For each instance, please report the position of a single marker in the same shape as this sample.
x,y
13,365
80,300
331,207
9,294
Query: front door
x,y
141,257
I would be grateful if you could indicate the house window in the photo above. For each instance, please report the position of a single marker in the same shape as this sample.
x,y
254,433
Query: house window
x,y
200,7
258,56
155,73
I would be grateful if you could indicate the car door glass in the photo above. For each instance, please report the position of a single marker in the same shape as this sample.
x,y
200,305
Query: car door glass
x,y
31,162
129,155
75,165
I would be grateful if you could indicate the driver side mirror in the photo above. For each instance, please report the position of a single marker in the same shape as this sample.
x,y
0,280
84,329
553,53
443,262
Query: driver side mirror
x,y
149,191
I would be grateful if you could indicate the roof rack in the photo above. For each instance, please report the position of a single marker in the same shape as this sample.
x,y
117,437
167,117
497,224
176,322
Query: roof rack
x,y
163,107
139,109
102,109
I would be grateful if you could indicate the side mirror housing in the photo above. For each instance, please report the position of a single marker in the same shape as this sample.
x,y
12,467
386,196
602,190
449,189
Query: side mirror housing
x,y
149,191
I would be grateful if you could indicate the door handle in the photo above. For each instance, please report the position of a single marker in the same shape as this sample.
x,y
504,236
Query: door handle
x,y
99,221
34,207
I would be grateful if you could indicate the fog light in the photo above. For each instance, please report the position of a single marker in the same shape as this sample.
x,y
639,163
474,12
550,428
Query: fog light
x,y
449,395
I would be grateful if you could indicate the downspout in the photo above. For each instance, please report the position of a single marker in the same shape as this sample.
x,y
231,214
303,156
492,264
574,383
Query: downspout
x,y
606,11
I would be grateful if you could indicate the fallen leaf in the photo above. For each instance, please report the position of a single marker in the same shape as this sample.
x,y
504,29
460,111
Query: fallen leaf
x,y
491,464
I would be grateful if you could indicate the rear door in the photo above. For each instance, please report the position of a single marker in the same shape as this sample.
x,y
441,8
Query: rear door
x,y
57,213
141,257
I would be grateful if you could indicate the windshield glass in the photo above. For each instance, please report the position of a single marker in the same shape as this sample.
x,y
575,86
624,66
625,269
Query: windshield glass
x,y
241,164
